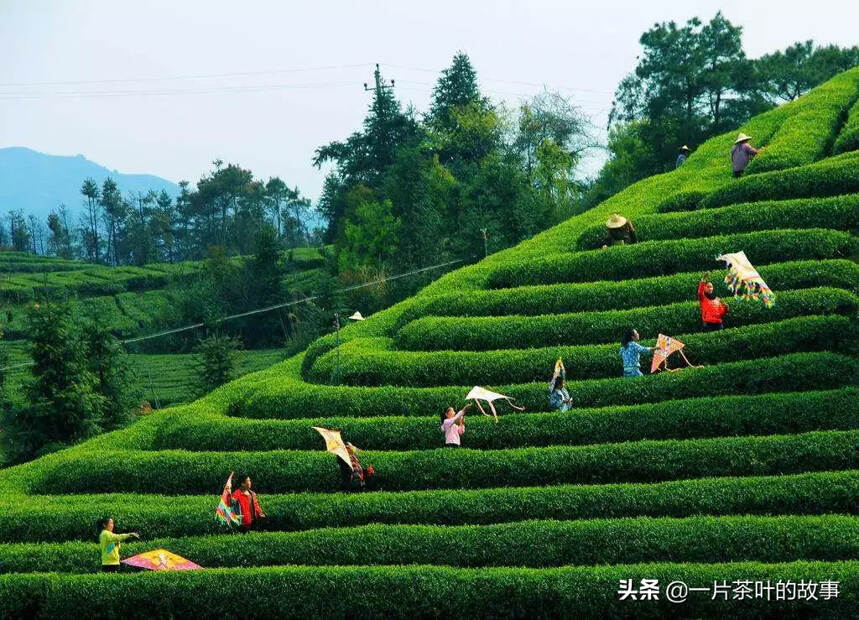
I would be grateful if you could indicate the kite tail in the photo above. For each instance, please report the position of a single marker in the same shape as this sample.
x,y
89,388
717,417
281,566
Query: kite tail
x,y
477,402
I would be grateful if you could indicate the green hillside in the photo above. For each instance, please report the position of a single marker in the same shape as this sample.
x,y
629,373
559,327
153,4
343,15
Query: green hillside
x,y
742,470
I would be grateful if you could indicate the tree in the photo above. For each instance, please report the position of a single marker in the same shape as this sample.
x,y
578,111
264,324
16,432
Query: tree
x,y
64,405
90,220
18,231
456,88
366,155
107,362
371,237
140,245
215,361
60,241
162,226
114,210
786,75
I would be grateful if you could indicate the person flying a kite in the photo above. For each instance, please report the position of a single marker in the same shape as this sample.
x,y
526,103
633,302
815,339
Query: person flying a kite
x,y
245,503
630,354
109,543
744,280
227,511
351,470
453,426
712,307
665,346
559,397
478,393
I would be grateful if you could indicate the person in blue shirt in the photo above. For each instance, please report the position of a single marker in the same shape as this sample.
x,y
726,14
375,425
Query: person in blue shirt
x,y
630,353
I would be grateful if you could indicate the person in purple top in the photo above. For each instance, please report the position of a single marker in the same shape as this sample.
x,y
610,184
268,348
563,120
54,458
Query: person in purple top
x,y
453,425
742,153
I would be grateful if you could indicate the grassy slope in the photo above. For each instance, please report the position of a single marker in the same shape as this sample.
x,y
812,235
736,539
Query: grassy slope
x,y
775,457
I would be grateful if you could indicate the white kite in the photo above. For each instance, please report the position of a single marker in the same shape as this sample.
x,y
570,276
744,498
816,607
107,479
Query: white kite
x,y
334,443
478,393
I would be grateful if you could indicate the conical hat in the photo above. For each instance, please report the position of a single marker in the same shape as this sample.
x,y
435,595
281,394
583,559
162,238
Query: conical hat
x,y
616,221
684,148
357,316
742,138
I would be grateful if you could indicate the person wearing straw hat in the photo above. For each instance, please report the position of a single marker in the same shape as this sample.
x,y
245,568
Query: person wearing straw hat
x,y
620,230
741,153
684,153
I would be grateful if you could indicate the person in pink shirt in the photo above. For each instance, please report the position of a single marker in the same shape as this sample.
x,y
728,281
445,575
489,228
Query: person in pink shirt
x,y
453,425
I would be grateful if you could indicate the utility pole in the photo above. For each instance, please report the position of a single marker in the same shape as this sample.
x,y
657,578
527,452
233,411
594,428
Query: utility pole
x,y
485,245
378,79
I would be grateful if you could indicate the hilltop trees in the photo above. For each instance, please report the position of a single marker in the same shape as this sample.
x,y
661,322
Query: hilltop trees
x,y
426,191
693,81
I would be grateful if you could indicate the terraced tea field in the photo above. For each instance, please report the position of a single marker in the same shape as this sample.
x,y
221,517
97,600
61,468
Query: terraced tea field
x,y
133,301
745,469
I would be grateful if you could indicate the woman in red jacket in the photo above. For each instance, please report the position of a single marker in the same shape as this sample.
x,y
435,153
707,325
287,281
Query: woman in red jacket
x,y
712,308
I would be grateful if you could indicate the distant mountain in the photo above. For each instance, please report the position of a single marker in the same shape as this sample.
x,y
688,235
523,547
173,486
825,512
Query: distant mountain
x,y
37,182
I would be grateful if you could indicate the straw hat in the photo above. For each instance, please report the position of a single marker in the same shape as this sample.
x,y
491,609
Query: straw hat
x,y
742,138
684,148
357,316
616,221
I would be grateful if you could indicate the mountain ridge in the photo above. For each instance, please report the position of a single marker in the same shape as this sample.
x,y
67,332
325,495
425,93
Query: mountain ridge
x,y
38,182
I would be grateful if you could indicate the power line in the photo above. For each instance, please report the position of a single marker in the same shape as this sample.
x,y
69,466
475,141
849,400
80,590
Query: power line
x,y
267,308
186,77
488,79
9,96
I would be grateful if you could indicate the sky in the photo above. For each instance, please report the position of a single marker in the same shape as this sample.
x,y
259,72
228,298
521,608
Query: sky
x,y
166,87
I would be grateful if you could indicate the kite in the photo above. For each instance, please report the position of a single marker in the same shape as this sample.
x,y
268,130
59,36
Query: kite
x,y
665,346
742,276
224,512
334,443
161,559
478,393
560,371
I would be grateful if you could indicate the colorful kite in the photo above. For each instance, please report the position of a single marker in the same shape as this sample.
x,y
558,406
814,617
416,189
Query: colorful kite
x,y
665,346
224,512
161,559
478,393
334,443
743,279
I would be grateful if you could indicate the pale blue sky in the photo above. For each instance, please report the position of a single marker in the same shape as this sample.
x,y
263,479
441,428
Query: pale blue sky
x,y
124,82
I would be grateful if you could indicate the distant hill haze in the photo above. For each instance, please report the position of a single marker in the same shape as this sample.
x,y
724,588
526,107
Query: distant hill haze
x,y
37,182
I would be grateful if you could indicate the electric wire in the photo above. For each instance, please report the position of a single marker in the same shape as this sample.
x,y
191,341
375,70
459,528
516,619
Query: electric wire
x,y
266,308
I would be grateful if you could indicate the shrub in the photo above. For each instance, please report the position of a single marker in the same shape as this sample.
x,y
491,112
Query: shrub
x,y
369,367
808,134
59,518
419,591
172,472
283,397
555,298
505,332
840,212
830,177
657,258
681,201
536,544
765,414
848,139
